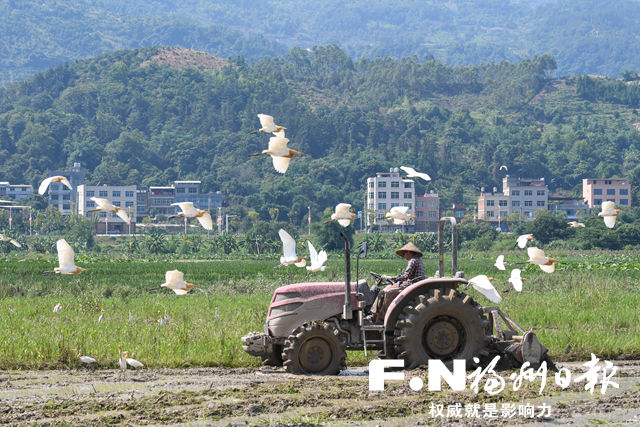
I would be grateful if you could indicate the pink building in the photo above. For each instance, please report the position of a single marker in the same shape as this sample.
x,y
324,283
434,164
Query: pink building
x,y
427,212
596,191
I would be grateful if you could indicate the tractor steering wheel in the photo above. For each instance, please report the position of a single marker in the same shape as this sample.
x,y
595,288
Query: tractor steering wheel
x,y
381,280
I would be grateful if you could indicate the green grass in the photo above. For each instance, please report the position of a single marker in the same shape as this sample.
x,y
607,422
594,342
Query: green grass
x,y
588,305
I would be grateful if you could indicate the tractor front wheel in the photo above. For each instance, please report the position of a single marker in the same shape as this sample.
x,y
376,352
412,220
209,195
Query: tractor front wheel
x,y
314,348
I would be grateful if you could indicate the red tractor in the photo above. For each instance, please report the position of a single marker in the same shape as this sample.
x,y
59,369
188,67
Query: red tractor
x,y
310,326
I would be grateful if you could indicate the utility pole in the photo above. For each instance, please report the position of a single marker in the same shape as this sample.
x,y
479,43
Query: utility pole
x,y
226,217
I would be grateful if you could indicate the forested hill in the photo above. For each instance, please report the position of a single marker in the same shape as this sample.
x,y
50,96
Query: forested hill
x,y
155,115
585,36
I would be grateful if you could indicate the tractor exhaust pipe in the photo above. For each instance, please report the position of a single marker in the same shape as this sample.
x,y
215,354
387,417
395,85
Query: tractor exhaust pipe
x,y
454,246
347,311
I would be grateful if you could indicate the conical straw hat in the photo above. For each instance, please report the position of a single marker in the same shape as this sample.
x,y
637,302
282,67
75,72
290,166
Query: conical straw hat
x,y
409,247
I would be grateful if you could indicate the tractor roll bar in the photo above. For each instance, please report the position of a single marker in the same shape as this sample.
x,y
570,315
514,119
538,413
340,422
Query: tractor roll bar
x,y
454,246
347,312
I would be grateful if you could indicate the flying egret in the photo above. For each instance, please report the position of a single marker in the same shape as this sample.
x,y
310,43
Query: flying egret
x,y
521,242
317,259
516,280
85,359
105,205
500,263
121,360
279,152
289,250
14,242
189,211
267,125
506,169
132,362
575,224
174,280
399,214
65,259
609,213
412,173
537,257
343,215
483,285
57,308
45,184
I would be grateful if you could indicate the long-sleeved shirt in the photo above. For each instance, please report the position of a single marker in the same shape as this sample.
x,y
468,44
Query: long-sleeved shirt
x,y
415,270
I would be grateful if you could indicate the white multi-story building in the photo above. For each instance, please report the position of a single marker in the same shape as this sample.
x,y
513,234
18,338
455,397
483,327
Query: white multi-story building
x,y
384,191
15,191
123,196
523,196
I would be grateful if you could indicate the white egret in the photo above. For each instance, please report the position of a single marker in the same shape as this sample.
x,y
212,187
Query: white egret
x,y
189,211
104,205
121,360
85,359
65,259
521,242
500,263
537,257
343,214
57,308
516,280
399,214
412,173
483,285
132,362
575,224
289,251
506,169
317,259
267,125
174,280
45,184
101,315
279,152
14,242
609,213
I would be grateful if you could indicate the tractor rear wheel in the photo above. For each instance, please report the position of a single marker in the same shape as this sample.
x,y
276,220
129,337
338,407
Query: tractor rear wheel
x,y
314,348
444,327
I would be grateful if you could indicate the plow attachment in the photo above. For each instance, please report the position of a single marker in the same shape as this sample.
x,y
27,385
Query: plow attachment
x,y
513,343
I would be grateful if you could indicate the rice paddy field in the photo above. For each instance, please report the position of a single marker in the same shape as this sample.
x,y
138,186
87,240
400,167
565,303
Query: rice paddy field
x,y
589,305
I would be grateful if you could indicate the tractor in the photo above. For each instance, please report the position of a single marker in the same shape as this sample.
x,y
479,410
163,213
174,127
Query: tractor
x,y
310,326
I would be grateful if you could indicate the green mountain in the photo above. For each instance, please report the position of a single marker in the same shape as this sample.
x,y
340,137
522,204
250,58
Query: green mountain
x,y
154,115
585,36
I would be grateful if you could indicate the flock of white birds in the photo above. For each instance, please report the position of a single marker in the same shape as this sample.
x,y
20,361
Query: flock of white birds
x,y
482,283
281,156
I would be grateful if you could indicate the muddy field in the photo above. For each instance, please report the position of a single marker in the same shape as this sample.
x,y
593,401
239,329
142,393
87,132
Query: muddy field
x,y
270,396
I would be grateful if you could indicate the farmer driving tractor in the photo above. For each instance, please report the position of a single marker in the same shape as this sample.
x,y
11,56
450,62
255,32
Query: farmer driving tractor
x,y
414,272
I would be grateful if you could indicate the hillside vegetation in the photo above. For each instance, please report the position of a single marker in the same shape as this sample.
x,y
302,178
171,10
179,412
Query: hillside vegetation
x,y
585,36
148,117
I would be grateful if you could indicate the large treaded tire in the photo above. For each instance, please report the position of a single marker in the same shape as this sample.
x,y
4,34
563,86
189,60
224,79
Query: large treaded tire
x,y
441,326
315,348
